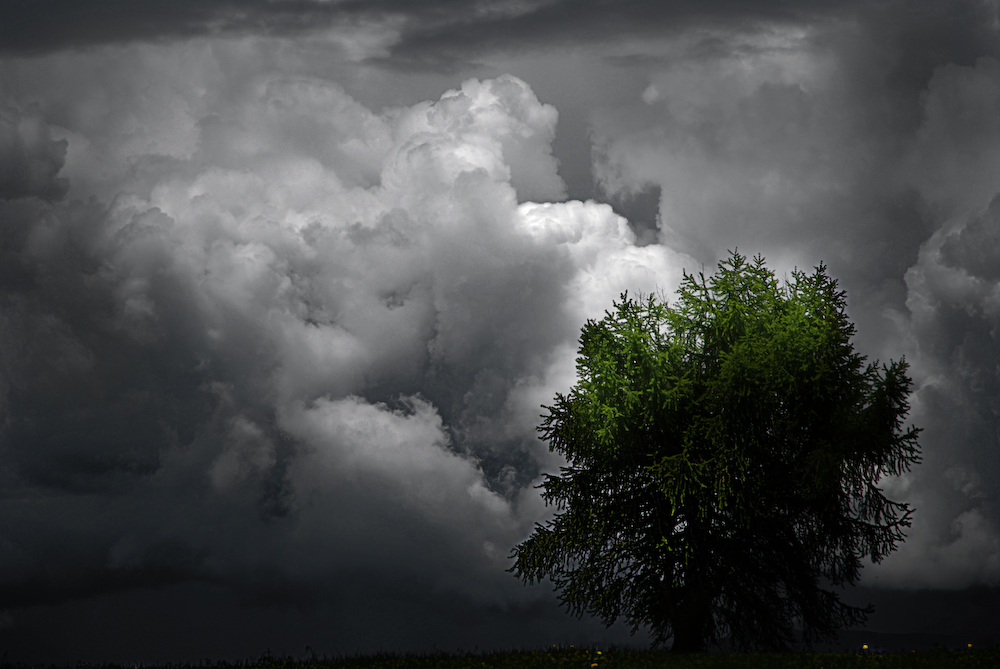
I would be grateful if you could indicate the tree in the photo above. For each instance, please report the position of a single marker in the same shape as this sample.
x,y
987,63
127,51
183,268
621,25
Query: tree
x,y
725,457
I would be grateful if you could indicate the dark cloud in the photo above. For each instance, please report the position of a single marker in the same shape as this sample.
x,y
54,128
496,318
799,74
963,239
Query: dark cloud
x,y
912,618
34,27
38,27
274,358
952,329
850,143
31,159
976,248
277,316
103,391
365,616
438,30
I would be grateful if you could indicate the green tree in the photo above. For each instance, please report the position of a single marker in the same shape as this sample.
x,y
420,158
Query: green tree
x,y
725,456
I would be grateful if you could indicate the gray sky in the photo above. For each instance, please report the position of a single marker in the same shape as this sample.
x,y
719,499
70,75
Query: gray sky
x,y
283,285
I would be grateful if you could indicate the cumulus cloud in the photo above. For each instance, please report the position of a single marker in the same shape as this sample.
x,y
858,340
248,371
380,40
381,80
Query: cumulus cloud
x,y
779,141
364,29
277,315
949,330
953,309
766,143
957,149
974,247
275,337
31,158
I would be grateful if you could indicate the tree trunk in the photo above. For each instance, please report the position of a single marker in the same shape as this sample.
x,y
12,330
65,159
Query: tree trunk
x,y
692,617
692,620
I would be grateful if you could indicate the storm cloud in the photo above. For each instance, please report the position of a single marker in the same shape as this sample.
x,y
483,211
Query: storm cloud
x,y
284,285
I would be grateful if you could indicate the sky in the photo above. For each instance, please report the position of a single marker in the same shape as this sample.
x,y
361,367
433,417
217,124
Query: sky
x,y
284,285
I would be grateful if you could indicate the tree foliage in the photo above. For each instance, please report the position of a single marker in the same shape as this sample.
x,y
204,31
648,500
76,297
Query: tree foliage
x,y
725,456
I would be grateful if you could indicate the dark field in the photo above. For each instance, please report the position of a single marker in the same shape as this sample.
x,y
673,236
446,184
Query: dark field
x,y
573,658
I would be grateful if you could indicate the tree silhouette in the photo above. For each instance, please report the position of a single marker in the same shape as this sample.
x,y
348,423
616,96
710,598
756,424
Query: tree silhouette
x,y
725,457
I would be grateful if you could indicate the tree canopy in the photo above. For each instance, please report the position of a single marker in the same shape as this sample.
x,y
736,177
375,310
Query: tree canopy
x,y
725,454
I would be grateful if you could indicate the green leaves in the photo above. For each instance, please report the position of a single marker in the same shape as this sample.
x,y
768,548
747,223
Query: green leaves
x,y
726,451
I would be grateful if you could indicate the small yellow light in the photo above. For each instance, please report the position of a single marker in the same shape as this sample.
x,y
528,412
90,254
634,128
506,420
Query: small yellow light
x,y
594,664
864,647
599,652
969,645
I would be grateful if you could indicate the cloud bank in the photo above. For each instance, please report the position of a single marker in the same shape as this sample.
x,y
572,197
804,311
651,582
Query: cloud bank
x,y
784,143
284,285
272,338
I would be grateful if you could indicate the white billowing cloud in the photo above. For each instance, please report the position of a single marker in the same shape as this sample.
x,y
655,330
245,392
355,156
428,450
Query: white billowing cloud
x,y
602,248
350,436
385,481
495,125
289,328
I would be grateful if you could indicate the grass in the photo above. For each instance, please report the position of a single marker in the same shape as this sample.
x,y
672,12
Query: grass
x,y
578,658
